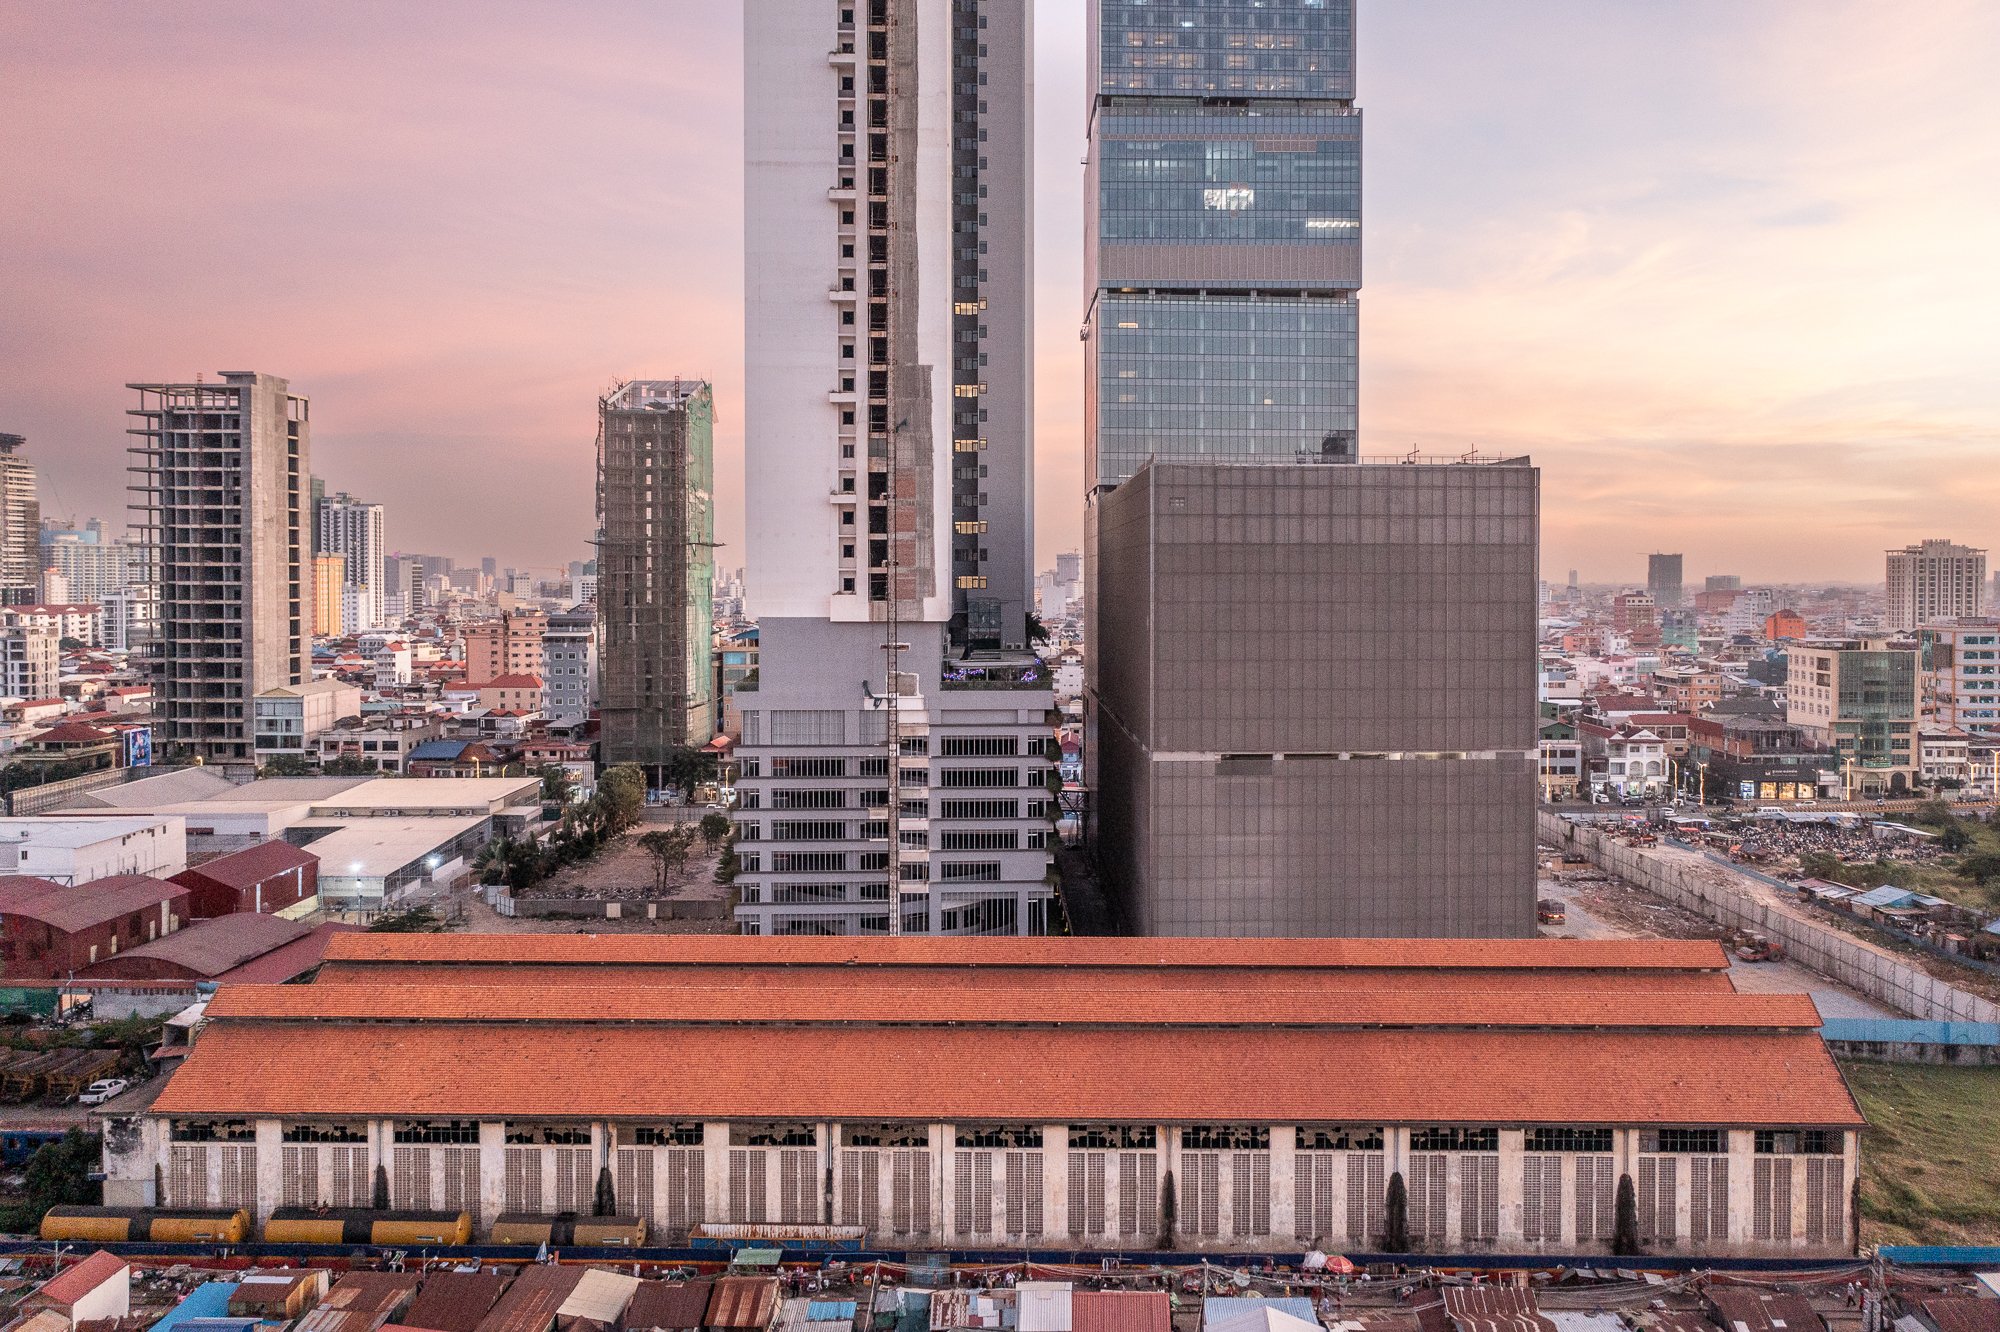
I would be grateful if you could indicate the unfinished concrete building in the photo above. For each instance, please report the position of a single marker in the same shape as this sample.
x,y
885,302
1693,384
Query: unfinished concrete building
x,y
221,474
20,524
656,558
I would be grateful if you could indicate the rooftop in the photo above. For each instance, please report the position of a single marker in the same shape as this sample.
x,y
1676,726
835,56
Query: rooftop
x,y
72,908
208,948
70,831
254,864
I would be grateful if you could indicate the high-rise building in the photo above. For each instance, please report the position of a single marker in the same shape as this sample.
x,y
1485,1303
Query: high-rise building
x,y
1934,581
30,661
1859,698
893,758
20,525
1224,183
329,605
1663,580
656,560
89,565
1350,749
1723,583
221,471
570,668
352,529
1961,663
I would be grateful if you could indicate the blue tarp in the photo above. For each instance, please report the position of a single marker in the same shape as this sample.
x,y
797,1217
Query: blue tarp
x,y
830,1311
1899,1031
1941,1255
210,1300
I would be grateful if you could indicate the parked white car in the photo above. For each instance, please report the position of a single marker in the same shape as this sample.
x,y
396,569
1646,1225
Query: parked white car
x,y
97,1093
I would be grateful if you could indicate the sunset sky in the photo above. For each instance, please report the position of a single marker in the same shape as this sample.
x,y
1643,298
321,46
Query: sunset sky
x,y
1729,271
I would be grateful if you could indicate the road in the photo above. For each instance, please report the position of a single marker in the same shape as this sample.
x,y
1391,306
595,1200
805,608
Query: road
x,y
1834,1000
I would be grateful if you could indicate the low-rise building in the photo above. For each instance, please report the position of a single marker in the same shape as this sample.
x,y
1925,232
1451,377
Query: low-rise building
x,y
1859,698
30,663
291,718
80,622
274,878
53,929
71,850
721,1080
202,951
385,742
1625,763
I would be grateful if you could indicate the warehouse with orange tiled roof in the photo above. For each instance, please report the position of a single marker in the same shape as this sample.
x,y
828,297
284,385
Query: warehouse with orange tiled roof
x,y
975,1093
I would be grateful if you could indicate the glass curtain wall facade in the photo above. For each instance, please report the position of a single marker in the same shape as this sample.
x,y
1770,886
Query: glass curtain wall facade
x,y
1225,204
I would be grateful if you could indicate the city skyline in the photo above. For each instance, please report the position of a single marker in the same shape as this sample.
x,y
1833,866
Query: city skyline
x,y
1690,338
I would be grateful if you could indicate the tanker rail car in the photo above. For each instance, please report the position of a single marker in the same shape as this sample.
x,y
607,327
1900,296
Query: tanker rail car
x,y
138,1225
333,1225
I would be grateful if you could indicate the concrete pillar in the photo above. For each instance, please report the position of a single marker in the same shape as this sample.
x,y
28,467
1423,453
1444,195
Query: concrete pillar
x,y
1742,1186
1512,1171
270,1169
492,1172
944,1140
380,1138
1284,1180
715,1170
1055,1179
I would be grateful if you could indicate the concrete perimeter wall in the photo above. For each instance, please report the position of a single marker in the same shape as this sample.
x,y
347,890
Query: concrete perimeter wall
x,y
1894,984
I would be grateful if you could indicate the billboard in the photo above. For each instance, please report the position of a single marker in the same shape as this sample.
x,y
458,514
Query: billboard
x,y
138,747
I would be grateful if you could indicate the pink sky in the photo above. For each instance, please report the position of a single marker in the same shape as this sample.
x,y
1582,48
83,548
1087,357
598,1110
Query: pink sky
x,y
1726,271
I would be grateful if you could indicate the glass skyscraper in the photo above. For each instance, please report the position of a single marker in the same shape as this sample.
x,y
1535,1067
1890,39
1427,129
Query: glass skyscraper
x,y
1224,197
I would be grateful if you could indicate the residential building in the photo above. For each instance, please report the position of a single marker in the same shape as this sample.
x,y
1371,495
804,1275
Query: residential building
x,y
131,617
221,472
20,524
77,850
1961,661
394,665
1632,1065
79,622
735,665
292,718
1858,698
1945,757
511,693
384,742
1689,690
1785,625
1663,580
508,645
329,604
889,441
1756,758
656,565
1932,581
30,662
1625,763
352,529
569,672
88,565
1635,613
1723,583
1353,750
1560,754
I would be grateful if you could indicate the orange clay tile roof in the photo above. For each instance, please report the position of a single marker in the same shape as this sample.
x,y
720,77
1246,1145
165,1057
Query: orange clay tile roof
x,y
709,950
861,980
1411,1005
1044,1075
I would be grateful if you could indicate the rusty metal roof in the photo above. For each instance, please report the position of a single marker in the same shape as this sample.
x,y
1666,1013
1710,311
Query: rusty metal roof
x,y
360,1302
1120,1311
745,1302
456,1301
1961,1314
1493,1309
1744,1310
530,1304
668,1306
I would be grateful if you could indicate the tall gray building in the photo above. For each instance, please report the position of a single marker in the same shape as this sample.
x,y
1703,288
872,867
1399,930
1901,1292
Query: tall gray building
x,y
656,560
1313,709
20,525
221,472
893,758
1663,580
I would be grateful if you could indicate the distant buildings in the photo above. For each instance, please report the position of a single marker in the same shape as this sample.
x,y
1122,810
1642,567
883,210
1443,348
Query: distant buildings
x,y
1663,580
1723,583
222,478
1859,698
655,570
329,596
1933,581
30,661
86,564
291,718
352,529
570,666
20,524
1351,751
1961,662
509,644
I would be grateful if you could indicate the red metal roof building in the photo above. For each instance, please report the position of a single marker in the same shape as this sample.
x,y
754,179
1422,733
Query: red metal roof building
x,y
49,930
270,877
1044,1090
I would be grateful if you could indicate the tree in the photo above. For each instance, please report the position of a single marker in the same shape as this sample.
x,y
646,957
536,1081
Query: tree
x,y
557,784
715,827
1396,1216
351,765
416,920
1625,1219
606,1201
1934,813
1954,837
686,768
669,848
622,791
1037,631
287,765
1980,868
1169,1211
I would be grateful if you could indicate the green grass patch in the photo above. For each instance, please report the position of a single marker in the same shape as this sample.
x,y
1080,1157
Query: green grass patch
x,y
1930,1160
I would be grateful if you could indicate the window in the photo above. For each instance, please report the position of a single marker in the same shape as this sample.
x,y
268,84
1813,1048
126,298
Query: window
x,y
1695,1141
1113,1137
1455,1140
1799,1142
980,746
437,1130
972,871
1226,1138
1568,1140
1338,1139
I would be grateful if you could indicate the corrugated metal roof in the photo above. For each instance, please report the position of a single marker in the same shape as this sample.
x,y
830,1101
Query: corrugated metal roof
x,y
1225,1310
1911,1032
830,1311
600,1296
1121,1311
456,1301
745,1302
211,947
1743,1310
1961,1314
669,1306
1493,1309
1045,1306
360,1302
530,1304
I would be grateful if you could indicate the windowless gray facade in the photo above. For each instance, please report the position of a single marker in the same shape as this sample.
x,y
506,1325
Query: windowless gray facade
x,y
1225,206
1313,699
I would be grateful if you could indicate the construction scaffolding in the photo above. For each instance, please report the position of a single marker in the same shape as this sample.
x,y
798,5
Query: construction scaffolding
x,y
656,568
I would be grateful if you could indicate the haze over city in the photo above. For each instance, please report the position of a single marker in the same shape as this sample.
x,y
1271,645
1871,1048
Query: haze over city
x,y
1722,269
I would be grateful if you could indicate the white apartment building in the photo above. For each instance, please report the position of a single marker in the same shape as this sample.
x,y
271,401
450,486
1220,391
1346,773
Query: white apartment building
x,y
29,662
569,665
81,621
352,529
1961,662
1635,767
291,718
1935,580
893,764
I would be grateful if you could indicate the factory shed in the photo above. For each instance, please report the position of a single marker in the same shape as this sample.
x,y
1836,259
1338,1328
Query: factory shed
x,y
204,950
272,877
